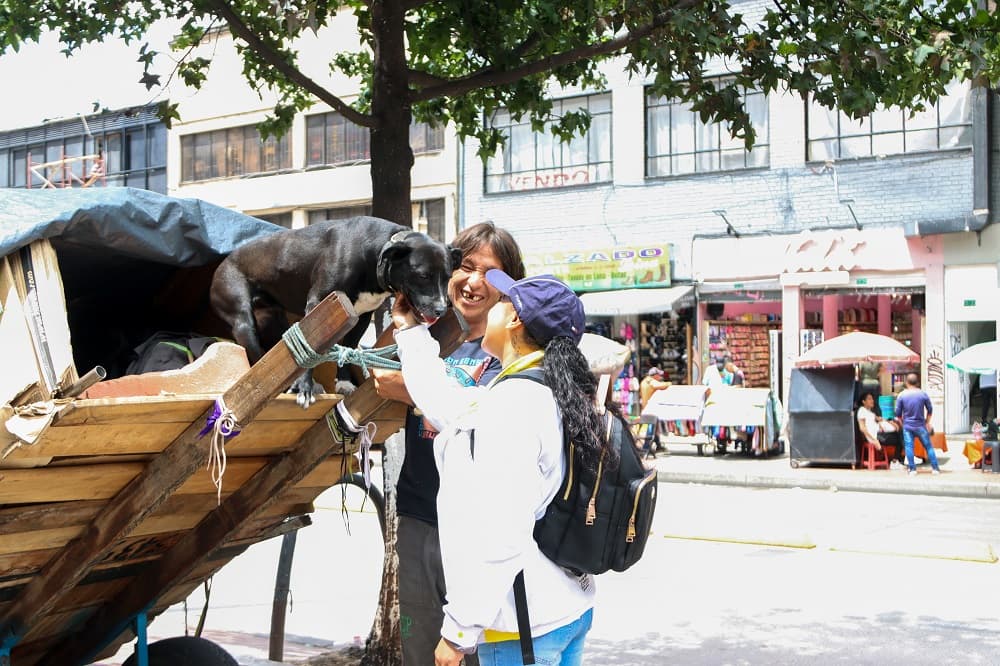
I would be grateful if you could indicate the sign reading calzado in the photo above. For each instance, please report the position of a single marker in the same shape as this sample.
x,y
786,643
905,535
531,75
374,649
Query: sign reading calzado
x,y
604,269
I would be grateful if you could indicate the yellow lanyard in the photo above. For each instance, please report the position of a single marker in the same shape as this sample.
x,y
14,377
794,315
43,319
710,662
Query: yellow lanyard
x,y
523,363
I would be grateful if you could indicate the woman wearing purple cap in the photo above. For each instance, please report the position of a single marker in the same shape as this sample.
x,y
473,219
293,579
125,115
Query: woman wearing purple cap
x,y
500,456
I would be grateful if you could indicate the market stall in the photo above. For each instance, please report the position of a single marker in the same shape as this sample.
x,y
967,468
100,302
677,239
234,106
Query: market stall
x,y
679,410
747,419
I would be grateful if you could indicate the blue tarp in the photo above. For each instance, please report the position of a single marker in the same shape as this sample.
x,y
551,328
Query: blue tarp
x,y
137,223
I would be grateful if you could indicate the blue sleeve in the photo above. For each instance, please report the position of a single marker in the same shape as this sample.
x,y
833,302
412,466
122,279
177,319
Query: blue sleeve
x,y
927,403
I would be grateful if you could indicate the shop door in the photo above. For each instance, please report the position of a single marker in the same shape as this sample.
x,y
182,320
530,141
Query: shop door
x,y
957,384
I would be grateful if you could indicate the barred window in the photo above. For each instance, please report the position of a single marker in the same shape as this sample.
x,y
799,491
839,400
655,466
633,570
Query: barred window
x,y
946,124
678,142
332,139
531,160
236,151
341,213
133,156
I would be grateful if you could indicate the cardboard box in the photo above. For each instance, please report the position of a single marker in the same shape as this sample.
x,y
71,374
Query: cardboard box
x,y
35,273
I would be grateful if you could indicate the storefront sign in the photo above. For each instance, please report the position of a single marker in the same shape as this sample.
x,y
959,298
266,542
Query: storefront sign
x,y
605,268
969,303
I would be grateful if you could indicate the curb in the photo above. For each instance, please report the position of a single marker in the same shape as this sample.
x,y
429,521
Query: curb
x,y
903,486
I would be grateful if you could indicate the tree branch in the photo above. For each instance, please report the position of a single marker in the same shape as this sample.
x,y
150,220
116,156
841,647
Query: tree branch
x,y
273,58
423,79
409,5
491,77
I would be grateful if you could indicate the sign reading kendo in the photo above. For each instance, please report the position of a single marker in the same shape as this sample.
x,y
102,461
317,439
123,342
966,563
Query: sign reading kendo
x,y
604,269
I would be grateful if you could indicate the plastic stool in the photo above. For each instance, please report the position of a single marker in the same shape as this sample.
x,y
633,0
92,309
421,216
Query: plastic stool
x,y
991,456
870,456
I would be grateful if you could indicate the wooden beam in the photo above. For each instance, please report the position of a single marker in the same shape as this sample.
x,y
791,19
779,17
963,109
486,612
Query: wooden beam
x,y
324,325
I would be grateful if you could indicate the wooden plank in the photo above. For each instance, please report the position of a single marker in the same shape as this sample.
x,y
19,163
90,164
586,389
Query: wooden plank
x,y
61,484
322,326
64,514
180,409
262,437
303,466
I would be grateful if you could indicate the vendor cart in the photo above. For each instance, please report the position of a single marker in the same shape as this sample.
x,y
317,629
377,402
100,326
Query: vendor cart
x,y
678,409
114,508
821,420
747,419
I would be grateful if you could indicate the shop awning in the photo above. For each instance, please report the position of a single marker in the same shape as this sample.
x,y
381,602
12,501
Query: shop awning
x,y
635,301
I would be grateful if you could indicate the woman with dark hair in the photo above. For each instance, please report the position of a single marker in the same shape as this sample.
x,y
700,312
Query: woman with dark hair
x,y
501,460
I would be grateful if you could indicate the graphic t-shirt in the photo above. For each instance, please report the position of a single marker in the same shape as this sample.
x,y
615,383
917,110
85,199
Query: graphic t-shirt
x,y
416,492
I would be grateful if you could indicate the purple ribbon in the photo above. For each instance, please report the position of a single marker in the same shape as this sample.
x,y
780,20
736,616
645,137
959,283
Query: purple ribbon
x,y
213,418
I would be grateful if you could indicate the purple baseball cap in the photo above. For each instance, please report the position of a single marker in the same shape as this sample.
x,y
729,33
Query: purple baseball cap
x,y
544,303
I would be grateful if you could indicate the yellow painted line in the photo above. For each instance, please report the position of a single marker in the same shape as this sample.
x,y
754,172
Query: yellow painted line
x,y
964,551
802,542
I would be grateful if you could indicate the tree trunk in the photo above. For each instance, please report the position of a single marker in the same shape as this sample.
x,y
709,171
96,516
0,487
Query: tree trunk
x,y
391,161
391,155
384,646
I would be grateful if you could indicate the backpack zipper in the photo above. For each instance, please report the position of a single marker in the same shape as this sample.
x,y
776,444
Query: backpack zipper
x,y
592,504
569,474
630,534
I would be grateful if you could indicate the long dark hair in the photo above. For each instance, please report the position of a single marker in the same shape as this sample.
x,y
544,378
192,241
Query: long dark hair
x,y
574,388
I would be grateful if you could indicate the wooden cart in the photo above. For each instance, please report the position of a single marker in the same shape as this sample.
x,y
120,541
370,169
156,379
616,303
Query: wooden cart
x,y
117,517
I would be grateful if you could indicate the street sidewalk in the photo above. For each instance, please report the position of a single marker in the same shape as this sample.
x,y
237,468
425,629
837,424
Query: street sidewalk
x,y
682,464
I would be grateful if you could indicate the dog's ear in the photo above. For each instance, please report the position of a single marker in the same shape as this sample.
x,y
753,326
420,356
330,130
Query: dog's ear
x,y
456,257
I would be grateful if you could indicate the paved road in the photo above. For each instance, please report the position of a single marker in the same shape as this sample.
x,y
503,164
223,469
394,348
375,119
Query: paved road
x,y
731,576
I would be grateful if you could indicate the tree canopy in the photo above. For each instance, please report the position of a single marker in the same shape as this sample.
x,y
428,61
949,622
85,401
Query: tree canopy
x,y
457,61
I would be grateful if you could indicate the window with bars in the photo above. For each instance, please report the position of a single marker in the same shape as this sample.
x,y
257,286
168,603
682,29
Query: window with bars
x,y
331,139
281,219
236,151
530,160
946,124
678,142
341,213
135,156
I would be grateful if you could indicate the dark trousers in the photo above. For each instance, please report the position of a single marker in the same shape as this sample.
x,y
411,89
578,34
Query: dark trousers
x,y
421,592
989,398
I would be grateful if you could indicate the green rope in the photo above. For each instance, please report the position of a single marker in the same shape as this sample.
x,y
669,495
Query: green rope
x,y
307,357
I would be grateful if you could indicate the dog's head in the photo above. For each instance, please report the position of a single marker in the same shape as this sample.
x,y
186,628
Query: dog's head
x,y
420,267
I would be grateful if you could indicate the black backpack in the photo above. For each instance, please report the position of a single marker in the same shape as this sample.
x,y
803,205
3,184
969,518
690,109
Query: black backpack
x,y
596,522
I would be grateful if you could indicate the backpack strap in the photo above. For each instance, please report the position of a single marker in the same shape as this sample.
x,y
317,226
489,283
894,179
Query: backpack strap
x,y
537,375
523,621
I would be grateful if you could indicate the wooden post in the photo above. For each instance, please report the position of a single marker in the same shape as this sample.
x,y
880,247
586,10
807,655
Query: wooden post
x,y
325,324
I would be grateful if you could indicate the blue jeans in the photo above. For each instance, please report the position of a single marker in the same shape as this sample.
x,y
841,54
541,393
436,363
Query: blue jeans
x,y
559,647
925,439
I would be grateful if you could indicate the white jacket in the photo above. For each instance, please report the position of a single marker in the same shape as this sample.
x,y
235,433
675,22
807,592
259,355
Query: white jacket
x,y
492,491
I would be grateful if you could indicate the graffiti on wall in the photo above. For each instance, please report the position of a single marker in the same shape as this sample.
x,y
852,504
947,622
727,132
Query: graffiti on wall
x,y
935,371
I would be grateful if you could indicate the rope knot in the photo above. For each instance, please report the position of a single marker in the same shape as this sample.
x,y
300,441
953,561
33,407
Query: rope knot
x,y
307,357
223,426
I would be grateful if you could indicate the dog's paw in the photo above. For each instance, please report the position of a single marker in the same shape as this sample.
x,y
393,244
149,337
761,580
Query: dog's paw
x,y
344,387
306,391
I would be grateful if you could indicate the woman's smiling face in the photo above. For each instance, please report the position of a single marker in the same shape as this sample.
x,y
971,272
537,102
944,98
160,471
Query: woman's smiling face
x,y
470,294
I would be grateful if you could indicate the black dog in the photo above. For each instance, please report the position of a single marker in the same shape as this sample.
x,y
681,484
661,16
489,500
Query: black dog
x,y
366,258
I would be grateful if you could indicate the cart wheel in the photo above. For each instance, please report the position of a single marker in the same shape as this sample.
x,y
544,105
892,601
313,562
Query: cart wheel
x,y
702,449
794,464
187,650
